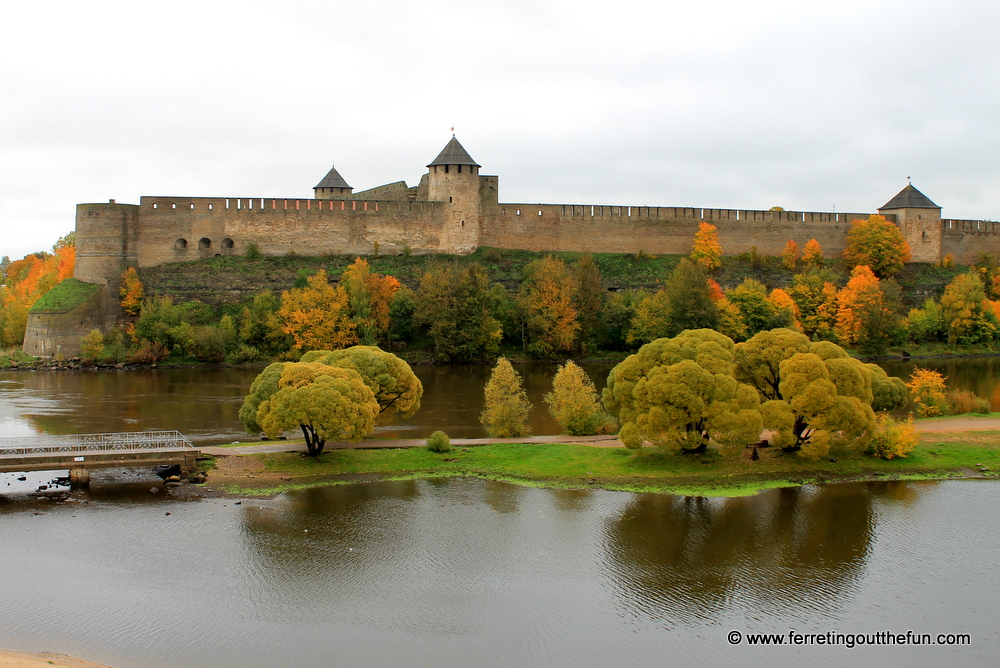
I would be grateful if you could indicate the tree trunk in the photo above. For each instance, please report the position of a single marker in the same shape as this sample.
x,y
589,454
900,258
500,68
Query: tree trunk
x,y
314,444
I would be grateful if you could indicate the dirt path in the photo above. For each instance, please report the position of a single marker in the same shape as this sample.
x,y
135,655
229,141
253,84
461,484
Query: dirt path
x,y
964,423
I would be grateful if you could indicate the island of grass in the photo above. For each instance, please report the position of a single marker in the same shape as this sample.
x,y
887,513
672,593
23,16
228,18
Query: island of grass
x,y
65,296
940,455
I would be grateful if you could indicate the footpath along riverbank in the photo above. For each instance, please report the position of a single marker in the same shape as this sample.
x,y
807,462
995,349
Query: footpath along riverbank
x,y
959,447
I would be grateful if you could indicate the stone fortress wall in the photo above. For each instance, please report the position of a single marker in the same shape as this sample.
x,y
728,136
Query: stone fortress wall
x,y
453,210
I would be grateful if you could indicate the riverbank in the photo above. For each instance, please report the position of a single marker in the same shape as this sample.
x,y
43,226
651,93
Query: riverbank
x,y
941,454
13,659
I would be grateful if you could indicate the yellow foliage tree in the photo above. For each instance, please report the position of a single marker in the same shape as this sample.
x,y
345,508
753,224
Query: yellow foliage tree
x,y
968,315
783,302
369,295
574,404
707,249
877,244
547,297
317,316
928,391
131,292
812,253
891,438
506,412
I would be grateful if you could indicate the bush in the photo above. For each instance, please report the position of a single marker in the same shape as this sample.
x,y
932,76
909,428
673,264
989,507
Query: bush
x,y
253,251
439,442
892,439
965,401
149,353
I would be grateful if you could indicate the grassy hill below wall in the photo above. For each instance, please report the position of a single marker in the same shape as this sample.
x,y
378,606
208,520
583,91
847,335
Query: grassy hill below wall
x,y
65,296
231,279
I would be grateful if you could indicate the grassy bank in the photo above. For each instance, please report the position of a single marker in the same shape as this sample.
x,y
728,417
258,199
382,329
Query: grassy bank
x,y
942,455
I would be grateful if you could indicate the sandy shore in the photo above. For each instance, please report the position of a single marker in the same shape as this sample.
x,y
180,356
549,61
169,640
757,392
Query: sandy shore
x,y
11,659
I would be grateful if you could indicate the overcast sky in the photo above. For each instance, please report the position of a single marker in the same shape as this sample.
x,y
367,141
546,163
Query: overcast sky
x,y
805,105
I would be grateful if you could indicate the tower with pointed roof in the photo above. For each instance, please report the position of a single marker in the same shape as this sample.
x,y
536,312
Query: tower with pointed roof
x,y
333,186
453,180
920,221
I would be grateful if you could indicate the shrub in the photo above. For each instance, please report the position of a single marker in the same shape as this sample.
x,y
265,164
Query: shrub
x,y
253,251
149,353
928,389
965,401
891,438
439,442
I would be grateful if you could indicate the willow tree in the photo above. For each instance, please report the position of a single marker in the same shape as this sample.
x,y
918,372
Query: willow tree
x,y
325,402
507,406
682,393
814,395
397,389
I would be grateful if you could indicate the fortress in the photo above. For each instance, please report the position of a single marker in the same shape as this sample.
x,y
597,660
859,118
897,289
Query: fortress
x,y
453,210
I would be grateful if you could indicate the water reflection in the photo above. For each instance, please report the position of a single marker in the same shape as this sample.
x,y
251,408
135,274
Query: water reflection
x,y
979,374
681,559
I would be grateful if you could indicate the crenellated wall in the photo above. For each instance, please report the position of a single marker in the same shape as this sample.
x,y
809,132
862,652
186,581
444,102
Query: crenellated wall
x,y
967,240
657,230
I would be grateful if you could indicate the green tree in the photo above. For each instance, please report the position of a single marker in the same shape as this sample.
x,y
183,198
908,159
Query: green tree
x,y
325,402
457,306
878,244
574,404
588,298
616,319
815,295
506,412
685,302
681,392
927,324
757,311
259,327
547,297
397,389
813,395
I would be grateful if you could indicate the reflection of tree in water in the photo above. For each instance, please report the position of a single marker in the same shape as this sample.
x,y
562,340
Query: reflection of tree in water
x,y
687,558
325,542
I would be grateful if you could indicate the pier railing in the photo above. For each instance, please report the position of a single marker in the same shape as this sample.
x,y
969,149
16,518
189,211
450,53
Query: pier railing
x,y
136,440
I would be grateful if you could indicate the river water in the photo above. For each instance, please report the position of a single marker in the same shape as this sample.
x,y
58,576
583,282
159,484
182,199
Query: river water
x,y
461,572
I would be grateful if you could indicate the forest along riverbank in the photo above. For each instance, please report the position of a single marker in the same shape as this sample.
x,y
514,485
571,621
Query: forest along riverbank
x,y
962,447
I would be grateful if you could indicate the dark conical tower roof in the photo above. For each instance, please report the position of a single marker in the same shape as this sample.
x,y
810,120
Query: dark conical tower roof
x,y
454,154
910,198
333,179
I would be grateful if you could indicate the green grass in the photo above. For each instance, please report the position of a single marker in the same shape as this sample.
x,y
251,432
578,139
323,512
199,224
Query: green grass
x,y
649,470
65,296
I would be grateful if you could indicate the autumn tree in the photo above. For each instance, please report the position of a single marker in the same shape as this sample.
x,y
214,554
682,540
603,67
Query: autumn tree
x,y
928,391
457,308
757,311
588,298
574,404
968,315
815,298
396,388
325,402
790,255
786,311
681,393
318,315
506,411
706,250
684,302
547,297
369,296
878,244
812,254
814,395
259,328
892,438
131,291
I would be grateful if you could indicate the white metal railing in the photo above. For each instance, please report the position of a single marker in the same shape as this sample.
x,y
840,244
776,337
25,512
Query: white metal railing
x,y
20,446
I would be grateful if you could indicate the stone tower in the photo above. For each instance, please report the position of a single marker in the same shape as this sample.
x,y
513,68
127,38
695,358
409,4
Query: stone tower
x,y
333,186
920,221
453,180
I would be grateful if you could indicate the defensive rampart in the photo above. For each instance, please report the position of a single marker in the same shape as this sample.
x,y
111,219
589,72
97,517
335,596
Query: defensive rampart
x,y
967,240
657,230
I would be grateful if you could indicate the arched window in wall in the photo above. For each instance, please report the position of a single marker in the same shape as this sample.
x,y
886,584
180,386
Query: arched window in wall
x,y
227,243
204,243
180,244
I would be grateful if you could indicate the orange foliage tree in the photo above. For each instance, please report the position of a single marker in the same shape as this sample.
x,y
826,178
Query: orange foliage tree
x,y
863,285
131,292
26,280
707,249
790,255
812,253
318,315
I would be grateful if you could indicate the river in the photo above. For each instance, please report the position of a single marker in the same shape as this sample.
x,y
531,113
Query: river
x,y
460,572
